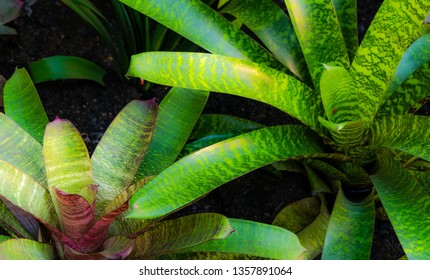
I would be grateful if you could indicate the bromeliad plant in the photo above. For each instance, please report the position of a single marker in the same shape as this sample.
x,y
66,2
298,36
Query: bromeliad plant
x,y
367,148
57,202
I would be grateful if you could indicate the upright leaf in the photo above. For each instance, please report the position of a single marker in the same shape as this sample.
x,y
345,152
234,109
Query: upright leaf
x,y
117,157
232,76
198,173
346,12
22,104
350,230
407,204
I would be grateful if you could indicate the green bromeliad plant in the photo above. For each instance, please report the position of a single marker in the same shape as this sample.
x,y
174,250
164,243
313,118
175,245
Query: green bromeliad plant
x,y
57,202
362,146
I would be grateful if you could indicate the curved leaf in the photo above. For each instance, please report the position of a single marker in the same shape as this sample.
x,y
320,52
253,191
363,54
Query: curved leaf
x,y
22,104
117,157
20,149
10,10
319,34
173,235
273,27
65,67
346,12
383,46
25,249
350,230
11,224
407,204
406,133
216,35
209,124
24,192
255,239
199,173
232,76
177,115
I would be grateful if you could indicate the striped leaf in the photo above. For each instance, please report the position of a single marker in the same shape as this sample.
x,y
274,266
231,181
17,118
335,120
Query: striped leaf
x,y
319,34
18,148
232,76
346,12
173,235
415,56
65,67
255,239
209,124
197,174
273,27
11,224
350,230
117,157
25,249
216,35
22,191
407,204
22,104
406,133
177,115
394,28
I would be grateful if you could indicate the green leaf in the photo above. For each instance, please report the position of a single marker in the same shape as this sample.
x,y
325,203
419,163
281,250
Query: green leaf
x,y
22,104
350,230
177,116
21,190
10,10
406,133
230,75
3,238
11,224
319,34
215,33
199,173
273,27
209,124
407,204
6,30
68,166
414,57
65,67
394,28
117,157
173,235
317,183
255,239
18,148
25,249
346,12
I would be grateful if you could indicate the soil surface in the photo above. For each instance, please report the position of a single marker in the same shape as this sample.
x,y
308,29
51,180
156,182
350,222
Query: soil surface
x,y
49,28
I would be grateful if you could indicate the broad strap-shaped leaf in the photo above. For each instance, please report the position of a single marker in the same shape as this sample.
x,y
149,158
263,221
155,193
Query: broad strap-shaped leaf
x,y
215,33
209,124
197,174
410,96
273,27
67,163
255,239
24,192
65,67
173,235
407,204
346,12
115,248
6,30
423,177
28,222
22,104
20,149
350,230
383,46
318,185
3,238
230,75
406,133
319,34
10,10
76,213
117,157
415,56
177,115
11,224
25,249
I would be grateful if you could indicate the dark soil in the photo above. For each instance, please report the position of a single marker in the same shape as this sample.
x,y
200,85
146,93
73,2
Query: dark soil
x,y
53,29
